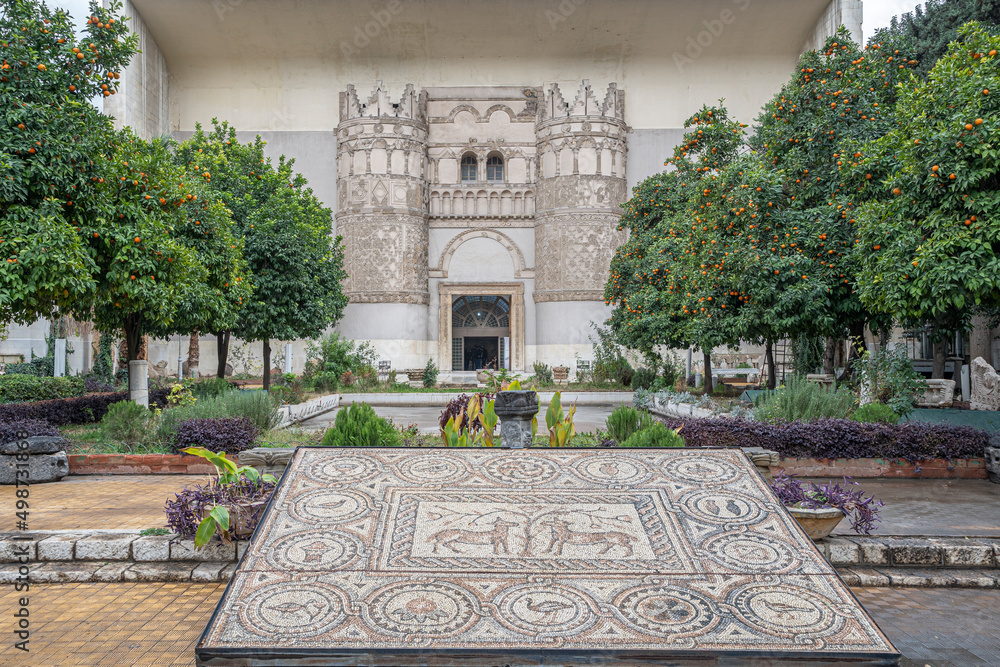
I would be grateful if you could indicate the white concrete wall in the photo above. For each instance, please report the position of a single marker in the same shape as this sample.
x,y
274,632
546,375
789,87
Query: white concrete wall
x,y
143,99
847,13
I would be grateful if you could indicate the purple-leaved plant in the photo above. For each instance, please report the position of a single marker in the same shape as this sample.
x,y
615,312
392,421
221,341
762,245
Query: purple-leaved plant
x,y
847,497
185,512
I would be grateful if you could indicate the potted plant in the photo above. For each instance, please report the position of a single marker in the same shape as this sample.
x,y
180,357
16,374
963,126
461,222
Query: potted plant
x,y
819,508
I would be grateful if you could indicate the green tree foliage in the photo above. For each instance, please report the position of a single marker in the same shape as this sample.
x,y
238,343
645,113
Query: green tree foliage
x,y
840,97
931,27
49,135
294,262
165,256
930,232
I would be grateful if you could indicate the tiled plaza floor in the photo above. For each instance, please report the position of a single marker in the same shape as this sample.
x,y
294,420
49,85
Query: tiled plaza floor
x,y
159,624
109,624
100,501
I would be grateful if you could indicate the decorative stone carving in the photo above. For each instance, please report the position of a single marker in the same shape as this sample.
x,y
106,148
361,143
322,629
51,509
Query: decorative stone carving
x,y
516,409
764,460
267,460
573,255
385,259
415,376
826,380
993,459
985,386
938,394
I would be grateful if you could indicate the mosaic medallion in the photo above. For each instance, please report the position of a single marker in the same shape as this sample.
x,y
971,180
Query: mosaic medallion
x,y
433,469
293,609
435,609
612,471
314,550
518,470
344,469
750,552
723,507
323,506
541,609
668,610
786,610
701,470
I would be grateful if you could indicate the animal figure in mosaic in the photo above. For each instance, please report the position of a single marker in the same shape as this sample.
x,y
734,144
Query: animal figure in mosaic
x,y
497,538
547,608
563,534
312,608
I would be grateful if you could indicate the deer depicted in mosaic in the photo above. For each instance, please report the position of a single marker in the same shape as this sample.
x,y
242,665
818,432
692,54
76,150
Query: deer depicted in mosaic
x,y
563,534
497,538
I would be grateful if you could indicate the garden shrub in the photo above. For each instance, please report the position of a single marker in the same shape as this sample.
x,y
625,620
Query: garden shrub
x,y
430,374
543,374
17,388
25,428
184,513
888,377
224,434
38,366
325,381
657,435
128,423
358,426
289,388
802,400
838,438
97,384
332,356
208,387
610,364
81,410
625,421
459,405
259,407
875,413
644,378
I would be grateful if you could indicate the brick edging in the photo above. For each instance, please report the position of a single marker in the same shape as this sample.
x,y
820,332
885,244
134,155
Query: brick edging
x,y
870,467
139,464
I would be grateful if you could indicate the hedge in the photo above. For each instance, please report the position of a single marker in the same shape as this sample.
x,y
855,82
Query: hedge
x,y
81,410
11,431
15,388
220,434
838,438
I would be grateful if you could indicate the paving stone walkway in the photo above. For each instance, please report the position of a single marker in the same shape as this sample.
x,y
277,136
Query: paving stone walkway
x,y
159,624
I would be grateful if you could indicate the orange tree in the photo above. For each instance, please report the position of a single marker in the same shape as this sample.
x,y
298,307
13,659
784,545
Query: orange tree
x,y
691,266
840,97
294,262
931,230
166,259
49,137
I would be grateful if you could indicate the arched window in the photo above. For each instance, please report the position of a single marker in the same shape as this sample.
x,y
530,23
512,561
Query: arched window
x,y
469,168
494,169
481,311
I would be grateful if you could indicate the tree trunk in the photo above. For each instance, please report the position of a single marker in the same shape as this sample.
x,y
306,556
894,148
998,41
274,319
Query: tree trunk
x,y
708,370
194,355
980,340
829,356
222,348
940,357
772,375
133,338
267,364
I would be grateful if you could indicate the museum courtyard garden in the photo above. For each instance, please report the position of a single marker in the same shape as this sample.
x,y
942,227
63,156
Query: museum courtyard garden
x,y
488,401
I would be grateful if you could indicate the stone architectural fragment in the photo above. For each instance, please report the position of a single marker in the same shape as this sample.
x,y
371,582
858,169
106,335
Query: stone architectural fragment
x,y
985,386
516,409
938,394
41,468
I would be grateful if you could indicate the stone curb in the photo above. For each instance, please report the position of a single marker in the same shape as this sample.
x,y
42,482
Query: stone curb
x,y
440,400
897,577
75,546
927,552
868,467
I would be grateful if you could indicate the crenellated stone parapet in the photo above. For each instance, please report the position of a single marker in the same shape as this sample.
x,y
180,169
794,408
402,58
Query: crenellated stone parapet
x,y
383,196
582,149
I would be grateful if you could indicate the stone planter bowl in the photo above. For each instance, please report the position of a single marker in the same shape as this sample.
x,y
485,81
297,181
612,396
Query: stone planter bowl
x,y
482,376
818,523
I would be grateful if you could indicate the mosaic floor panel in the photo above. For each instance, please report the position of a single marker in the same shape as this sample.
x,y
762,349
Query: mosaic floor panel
x,y
402,556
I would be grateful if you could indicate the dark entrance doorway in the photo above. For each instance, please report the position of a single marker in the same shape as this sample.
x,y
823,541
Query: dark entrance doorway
x,y
480,353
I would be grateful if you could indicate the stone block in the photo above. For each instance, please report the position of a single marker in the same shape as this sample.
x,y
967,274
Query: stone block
x,y
152,548
985,386
60,573
227,572
914,552
112,571
208,571
241,548
850,577
41,468
58,547
874,552
105,547
841,551
974,579
36,444
15,551
869,577
159,572
967,555
267,459
213,551
937,394
919,578
993,460
9,573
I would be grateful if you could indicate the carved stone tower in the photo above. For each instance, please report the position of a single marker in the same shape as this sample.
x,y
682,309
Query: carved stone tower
x,y
581,186
382,192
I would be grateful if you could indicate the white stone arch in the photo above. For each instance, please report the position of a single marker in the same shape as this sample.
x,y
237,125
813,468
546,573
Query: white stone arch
x,y
516,255
498,107
466,107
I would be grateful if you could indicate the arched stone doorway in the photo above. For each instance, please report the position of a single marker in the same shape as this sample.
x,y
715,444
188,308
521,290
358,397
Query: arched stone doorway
x,y
481,322
480,332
